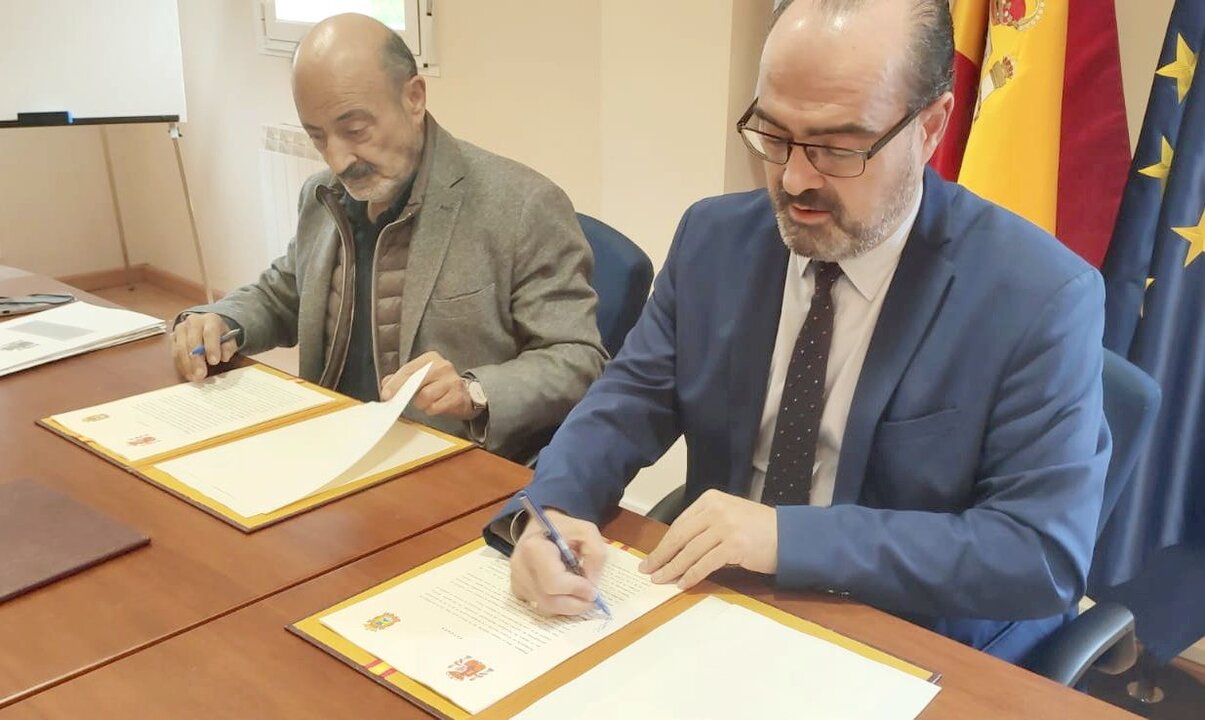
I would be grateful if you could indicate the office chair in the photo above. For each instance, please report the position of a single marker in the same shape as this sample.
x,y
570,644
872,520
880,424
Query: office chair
x,y
1103,636
622,277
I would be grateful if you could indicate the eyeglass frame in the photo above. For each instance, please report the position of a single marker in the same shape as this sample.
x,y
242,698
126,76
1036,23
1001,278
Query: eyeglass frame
x,y
867,154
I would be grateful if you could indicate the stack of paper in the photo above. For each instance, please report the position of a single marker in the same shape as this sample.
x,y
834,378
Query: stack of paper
x,y
69,330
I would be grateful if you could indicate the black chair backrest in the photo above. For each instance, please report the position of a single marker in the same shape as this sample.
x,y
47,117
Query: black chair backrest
x,y
622,277
1131,403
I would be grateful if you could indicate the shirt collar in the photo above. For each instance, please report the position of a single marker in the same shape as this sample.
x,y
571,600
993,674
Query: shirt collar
x,y
870,271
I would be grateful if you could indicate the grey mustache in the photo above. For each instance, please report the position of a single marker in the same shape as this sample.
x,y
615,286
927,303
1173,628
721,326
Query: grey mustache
x,y
357,172
810,199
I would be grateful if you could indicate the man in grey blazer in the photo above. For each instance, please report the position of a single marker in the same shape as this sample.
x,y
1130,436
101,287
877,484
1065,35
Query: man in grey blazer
x,y
416,247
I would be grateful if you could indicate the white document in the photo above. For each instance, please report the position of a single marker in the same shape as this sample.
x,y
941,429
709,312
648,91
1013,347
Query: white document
x,y
265,472
71,329
174,417
403,444
458,629
719,660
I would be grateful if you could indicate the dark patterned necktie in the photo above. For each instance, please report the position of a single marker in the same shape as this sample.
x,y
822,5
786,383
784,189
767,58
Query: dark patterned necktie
x,y
793,452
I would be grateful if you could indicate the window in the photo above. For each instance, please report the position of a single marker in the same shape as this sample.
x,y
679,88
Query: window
x,y
282,23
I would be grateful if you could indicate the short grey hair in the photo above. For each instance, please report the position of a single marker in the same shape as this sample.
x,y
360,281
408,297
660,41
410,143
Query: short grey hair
x,y
932,47
397,60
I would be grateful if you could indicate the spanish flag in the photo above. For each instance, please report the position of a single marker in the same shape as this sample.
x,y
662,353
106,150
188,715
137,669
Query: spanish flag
x,y
1039,122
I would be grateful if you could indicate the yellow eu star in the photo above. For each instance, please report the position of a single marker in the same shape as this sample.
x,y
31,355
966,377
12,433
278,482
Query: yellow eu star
x,y
1195,237
1162,168
1182,69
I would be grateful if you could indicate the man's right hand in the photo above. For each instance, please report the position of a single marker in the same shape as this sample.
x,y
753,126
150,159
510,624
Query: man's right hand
x,y
205,329
539,577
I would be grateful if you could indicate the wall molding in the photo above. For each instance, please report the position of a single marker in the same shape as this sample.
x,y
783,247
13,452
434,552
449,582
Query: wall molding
x,y
102,279
139,273
179,285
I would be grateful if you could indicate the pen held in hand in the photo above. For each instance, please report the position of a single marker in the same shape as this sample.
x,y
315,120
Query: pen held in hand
x,y
567,556
199,350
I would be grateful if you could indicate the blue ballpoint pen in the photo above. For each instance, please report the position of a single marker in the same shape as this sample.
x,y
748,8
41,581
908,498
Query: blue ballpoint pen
x,y
567,556
200,349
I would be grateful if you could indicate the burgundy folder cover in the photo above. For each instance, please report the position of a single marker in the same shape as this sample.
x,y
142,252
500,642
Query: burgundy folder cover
x,y
45,536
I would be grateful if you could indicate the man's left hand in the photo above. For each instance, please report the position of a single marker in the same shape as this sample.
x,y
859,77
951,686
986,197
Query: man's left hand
x,y
442,391
717,530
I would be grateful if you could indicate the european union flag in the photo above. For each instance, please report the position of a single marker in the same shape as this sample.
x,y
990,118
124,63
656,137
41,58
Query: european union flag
x,y
1155,316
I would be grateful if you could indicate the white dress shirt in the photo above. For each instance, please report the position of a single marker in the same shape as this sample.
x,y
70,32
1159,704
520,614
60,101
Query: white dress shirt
x,y
858,295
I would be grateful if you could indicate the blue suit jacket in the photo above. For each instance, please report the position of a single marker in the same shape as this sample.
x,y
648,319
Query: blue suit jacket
x,y
972,467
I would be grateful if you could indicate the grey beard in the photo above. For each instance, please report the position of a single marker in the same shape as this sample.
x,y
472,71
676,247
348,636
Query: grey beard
x,y
843,239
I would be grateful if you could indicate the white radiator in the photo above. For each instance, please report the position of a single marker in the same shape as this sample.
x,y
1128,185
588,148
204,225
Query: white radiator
x,y
286,159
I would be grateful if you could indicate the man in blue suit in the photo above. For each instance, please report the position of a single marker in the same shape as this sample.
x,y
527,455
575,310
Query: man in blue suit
x,y
889,387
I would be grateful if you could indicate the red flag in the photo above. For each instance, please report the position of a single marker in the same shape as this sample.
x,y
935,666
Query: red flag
x,y
1094,156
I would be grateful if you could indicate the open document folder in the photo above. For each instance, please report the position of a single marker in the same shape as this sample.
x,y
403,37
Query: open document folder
x,y
254,445
69,330
265,472
449,636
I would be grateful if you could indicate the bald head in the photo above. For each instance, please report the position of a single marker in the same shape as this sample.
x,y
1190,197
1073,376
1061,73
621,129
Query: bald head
x,y
918,34
358,40
363,104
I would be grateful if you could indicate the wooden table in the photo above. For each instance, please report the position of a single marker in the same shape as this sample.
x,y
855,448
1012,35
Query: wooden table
x,y
247,665
196,568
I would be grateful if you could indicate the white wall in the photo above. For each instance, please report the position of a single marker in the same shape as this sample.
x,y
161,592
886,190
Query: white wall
x,y
1141,25
664,107
152,198
521,80
232,90
667,128
750,20
56,214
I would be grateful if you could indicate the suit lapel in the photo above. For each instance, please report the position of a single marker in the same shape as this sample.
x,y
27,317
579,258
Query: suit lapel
x,y
756,312
912,304
441,202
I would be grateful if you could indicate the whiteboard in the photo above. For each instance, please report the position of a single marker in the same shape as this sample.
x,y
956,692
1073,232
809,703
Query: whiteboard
x,y
91,58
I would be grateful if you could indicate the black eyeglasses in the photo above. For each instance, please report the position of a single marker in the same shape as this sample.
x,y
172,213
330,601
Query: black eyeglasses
x,y
828,160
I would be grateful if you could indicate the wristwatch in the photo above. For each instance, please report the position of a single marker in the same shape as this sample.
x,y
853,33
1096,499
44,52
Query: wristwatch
x,y
476,393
